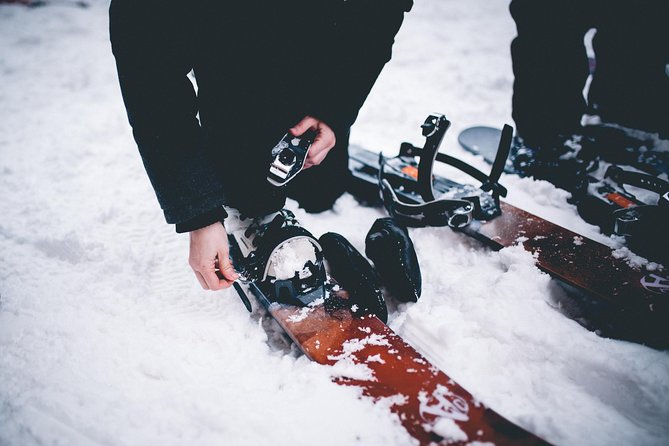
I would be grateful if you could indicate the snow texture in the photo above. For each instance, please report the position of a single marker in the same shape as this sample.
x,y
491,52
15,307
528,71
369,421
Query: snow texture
x,y
107,338
291,258
347,362
448,428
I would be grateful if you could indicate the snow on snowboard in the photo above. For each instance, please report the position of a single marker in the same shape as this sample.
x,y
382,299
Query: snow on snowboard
x,y
620,299
284,267
431,406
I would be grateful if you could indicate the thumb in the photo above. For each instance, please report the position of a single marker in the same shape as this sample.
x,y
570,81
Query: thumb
x,y
226,268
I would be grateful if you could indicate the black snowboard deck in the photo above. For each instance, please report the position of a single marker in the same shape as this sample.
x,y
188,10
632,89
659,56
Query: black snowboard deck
x,y
481,140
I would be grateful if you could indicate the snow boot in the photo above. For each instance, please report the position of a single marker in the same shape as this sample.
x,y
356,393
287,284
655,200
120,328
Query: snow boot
x,y
561,160
628,147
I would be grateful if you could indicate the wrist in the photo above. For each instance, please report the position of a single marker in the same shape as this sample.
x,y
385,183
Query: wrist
x,y
202,220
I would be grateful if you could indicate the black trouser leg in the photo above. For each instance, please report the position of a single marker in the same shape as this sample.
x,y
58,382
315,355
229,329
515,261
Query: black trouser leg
x,y
244,148
317,188
631,84
550,67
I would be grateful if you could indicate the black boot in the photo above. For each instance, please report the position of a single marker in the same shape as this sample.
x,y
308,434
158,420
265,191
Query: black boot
x,y
562,160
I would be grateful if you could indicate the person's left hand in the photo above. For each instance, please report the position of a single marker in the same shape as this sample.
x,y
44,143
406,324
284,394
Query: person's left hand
x,y
324,141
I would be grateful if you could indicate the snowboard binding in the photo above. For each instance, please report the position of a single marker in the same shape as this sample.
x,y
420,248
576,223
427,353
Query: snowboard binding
x,y
566,164
628,147
282,263
641,217
288,158
620,201
279,260
408,188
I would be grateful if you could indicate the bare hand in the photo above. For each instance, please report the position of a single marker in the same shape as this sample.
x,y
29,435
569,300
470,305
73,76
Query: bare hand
x,y
324,141
209,257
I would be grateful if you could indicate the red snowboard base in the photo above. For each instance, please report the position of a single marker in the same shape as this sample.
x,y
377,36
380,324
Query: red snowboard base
x,y
431,406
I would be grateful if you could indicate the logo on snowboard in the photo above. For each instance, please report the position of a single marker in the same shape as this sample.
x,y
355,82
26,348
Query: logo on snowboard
x,y
655,284
443,403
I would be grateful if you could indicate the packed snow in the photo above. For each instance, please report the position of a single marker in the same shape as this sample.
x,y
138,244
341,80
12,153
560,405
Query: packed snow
x,y
107,338
291,257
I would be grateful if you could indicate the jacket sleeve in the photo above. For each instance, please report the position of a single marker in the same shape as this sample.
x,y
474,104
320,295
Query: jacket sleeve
x,y
363,33
150,43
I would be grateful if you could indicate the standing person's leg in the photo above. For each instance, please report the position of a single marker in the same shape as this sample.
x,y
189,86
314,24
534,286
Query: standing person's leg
x,y
631,82
550,68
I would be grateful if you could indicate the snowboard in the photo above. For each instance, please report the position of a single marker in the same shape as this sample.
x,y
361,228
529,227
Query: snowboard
x,y
619,146
620,299
624,200
368,354
482,140
333,320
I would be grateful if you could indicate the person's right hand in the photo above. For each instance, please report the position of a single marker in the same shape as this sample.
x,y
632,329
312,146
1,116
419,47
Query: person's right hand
x,y
324,142
209,257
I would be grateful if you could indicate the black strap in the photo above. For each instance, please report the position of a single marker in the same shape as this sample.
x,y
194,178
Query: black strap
x,y
295,290
443,212
434,129
503,149
640,221
453,213
487,183
637,179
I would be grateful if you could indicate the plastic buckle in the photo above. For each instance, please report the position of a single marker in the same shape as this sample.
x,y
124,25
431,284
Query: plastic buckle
x,y
663,202
288,158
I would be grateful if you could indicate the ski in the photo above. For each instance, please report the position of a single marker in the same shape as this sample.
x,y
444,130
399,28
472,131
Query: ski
x,y
625,300
286,269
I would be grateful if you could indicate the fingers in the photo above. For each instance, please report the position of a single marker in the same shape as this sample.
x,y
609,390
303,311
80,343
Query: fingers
x,y
200,279
317,159
226,269
324,141
213,282
218,278
305,124
207,245
208,276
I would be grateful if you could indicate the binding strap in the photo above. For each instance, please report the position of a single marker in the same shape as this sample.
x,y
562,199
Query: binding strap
x,y
306,285
636,221
455,213
443,212
637,179
489,183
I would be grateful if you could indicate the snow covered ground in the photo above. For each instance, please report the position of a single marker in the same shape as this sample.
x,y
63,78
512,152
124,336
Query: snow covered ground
x,y
107,338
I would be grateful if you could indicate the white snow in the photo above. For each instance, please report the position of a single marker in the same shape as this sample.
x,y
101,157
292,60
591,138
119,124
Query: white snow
x,y
301,315
291,257
106,337
449,429
634,260
375,358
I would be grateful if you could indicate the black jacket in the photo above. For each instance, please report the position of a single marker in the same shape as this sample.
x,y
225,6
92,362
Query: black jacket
x,y
260,67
